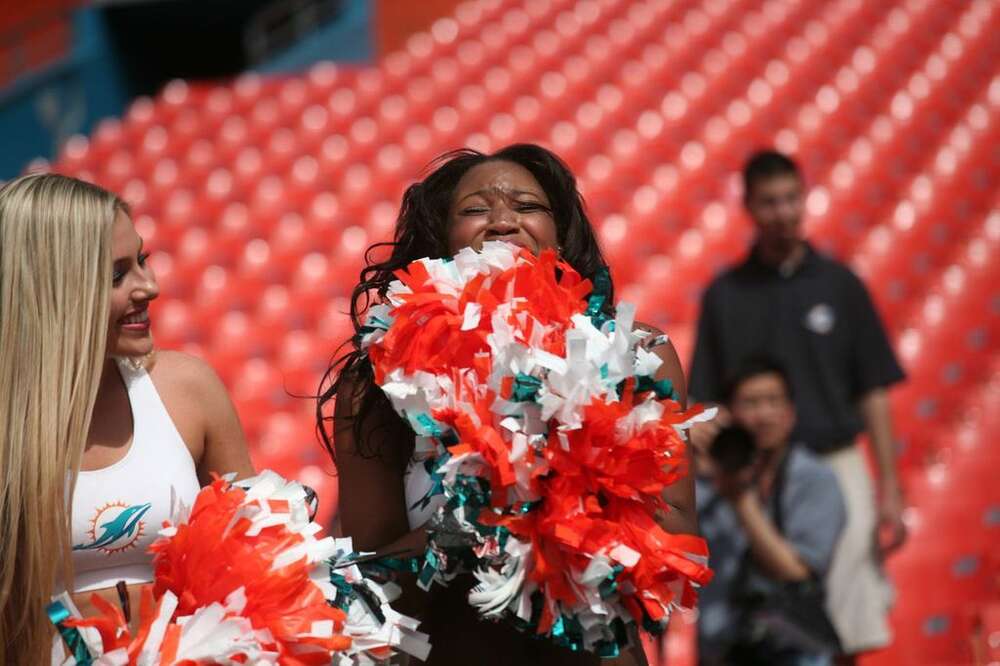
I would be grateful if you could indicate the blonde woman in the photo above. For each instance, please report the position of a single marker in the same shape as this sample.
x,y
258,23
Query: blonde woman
x,y
83,399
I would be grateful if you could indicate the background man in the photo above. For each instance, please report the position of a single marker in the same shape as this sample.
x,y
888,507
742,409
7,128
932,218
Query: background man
x,y
815,316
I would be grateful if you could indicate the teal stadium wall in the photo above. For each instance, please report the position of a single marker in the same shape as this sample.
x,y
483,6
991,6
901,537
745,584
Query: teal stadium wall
x,y
42,106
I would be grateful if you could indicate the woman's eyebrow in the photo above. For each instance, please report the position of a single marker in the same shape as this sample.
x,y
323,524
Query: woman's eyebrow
x,y
502,191
471,194
532,193
129,256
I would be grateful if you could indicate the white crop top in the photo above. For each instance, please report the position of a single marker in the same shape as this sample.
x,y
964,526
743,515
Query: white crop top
x,y
118,510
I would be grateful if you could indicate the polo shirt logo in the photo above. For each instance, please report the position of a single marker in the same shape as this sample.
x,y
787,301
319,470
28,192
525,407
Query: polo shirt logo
x,y
820,319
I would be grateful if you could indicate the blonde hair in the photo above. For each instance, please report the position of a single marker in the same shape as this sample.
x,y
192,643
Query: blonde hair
x,y
55,284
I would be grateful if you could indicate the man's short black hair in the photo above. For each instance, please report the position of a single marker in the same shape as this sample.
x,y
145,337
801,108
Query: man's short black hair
x,y
751,368
766,164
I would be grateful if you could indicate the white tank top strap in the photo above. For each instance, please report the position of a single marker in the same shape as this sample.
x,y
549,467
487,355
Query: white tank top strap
x,y
146,403
118,510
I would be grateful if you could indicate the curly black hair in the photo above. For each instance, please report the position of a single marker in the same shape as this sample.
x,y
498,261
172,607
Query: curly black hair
x,y
422,231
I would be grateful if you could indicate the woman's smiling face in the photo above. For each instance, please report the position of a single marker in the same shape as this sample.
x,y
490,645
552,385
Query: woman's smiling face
x,y
133,286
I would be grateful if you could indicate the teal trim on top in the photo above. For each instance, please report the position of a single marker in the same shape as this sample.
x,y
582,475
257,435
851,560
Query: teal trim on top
x,y
40,110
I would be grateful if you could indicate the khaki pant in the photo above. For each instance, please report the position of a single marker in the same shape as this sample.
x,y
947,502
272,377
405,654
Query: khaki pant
x,y
858,594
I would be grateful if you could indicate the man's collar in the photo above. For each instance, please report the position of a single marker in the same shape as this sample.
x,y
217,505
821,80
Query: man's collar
x,y
787,269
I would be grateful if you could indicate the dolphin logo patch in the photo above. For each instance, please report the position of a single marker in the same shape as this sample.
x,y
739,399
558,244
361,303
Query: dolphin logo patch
x,y
116,527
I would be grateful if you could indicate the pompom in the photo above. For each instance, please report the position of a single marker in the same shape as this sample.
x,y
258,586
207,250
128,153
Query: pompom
x,y
548,442
246,578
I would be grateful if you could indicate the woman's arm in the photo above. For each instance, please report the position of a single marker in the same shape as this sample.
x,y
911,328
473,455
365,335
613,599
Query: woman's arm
x,y
372,497
679,496
372,494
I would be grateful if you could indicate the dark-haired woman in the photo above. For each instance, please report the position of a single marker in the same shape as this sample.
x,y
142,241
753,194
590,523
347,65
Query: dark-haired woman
x,y
524,195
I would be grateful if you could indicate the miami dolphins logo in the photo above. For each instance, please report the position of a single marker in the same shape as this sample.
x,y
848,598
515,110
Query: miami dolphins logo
x,y
120,527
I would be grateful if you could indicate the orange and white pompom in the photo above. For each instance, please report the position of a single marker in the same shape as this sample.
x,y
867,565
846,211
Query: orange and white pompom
x,y
547,439
244,576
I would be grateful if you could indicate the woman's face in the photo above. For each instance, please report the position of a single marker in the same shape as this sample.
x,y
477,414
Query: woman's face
x,y
500,200
133,286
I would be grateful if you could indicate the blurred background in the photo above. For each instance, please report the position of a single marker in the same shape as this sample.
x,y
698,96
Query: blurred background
x,y
264,144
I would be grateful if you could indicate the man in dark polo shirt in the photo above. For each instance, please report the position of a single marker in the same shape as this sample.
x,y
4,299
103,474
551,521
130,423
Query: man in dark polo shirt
x,y
813,314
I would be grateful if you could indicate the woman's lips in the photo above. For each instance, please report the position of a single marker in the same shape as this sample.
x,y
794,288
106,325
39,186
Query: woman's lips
x,y
137,321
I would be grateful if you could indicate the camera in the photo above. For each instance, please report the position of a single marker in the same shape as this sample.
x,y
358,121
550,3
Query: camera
x,y
733,449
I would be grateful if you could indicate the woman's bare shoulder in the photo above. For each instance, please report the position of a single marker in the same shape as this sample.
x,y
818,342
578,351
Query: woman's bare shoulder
x,y
188,386
177,367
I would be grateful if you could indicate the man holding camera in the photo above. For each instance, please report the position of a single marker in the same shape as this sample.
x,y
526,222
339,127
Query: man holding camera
x,y
810,312
772,514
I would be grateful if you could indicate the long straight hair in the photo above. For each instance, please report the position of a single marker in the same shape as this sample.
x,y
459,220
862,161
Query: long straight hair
x,y
55,284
